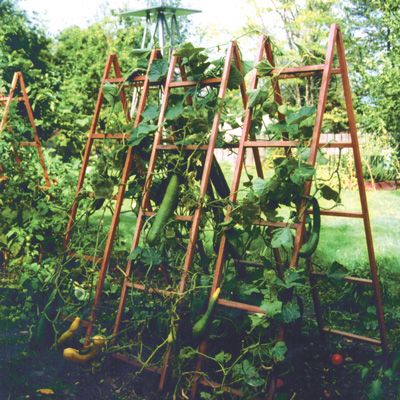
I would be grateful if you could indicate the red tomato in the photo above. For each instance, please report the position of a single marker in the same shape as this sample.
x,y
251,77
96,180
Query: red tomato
x,y
279,383
336,359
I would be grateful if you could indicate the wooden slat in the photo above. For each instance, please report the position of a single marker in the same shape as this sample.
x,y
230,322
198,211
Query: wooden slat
x,y
240,306
292,143
3,99
301,71
352,336
109,136
28,144
114,80
336,213
205,82
352,279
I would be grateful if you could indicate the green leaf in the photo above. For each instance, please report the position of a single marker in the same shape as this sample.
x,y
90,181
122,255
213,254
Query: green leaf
x,y
151,257
271,308
223,357
248,373
329,194
259,186
151,112
283,109
110,92
235,78
257,96
302,114
135,253
290,312
336,271
258,320
282,237
279,351
140,132
187,50
174,111
264,68
375,390
158,70
303,173
292,278
247,66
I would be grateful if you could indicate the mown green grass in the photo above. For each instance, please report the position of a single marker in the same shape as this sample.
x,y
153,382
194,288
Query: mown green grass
x,y
343,239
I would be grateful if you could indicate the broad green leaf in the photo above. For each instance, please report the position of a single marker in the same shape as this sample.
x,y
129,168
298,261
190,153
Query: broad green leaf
x,y
283,109
302,114
248,373
110,92
271,308
141,132
375,390
187,50
303,173
258,320
158,70
257,96
223,357
135,253
329,194
292,278
151,112
336,271
290,312
235,77
264,68
282,237
174,111
151,257
259,186
279,351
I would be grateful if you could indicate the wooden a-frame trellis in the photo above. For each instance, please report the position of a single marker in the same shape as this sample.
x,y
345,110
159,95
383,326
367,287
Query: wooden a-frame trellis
x,y
326,70
233,55
18,79
143,82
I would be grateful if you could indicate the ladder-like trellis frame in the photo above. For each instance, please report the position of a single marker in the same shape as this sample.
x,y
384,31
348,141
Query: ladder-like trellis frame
x,y
327,70
105,260
142,82
233,55
112,62
19,79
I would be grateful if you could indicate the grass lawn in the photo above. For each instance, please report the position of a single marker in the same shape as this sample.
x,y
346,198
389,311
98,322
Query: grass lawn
x,y
343,239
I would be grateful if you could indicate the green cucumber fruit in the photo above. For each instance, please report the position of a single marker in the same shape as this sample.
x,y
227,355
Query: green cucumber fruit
x,y
310,246
167,207
200,327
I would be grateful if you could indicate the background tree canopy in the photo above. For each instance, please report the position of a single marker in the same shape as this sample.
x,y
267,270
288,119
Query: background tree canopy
x,y
63,73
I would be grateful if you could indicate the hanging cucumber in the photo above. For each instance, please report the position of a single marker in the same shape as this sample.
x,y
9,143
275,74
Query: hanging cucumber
x,y
201,326
167,207
218,180
310,246
43,333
